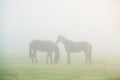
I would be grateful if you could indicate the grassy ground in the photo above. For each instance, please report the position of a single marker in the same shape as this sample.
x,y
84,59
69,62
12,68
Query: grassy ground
x,y
16,66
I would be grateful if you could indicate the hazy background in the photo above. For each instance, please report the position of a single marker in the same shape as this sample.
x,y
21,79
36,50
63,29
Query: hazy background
x,y
94,21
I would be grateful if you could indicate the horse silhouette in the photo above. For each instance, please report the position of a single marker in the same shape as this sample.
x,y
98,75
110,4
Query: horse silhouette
x,y
71,46
45,46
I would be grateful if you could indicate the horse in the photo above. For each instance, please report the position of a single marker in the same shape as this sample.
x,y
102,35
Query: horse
x,y
44,46
71,46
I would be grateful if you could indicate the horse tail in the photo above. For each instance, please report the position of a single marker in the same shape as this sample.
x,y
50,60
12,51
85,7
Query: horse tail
x,y
30,52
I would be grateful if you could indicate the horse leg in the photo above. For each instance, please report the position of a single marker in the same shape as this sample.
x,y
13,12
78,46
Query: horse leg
x,y
90,60
35,57
87,59
32,56
86,55
55,60
47,58
68,54
89,54
51,58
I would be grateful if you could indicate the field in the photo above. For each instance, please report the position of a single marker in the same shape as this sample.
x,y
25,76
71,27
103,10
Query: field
x,y
17,66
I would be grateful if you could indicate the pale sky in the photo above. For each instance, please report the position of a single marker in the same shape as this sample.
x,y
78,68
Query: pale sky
x,y
94,21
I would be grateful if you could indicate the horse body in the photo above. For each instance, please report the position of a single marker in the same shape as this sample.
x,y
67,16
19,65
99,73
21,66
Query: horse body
x,y
76,47
71,46
44,46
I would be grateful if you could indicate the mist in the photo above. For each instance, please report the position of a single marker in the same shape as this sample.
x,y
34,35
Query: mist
x,y
94,21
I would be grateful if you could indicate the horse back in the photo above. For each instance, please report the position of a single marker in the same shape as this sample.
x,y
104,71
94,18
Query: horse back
x,y
77,47
42,45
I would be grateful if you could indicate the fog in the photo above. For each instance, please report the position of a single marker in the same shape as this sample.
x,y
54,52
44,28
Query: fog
x,y
94,21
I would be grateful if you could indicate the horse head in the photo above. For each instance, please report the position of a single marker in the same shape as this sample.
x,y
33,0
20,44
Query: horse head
x,y
57,55
59,39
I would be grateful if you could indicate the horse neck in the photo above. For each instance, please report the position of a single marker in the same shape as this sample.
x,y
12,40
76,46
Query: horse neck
x,y
66,41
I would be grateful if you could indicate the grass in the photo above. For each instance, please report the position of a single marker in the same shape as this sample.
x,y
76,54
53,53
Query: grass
x,y
16,66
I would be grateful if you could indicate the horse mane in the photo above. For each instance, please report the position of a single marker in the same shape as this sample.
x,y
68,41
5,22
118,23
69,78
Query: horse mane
x,y
66,39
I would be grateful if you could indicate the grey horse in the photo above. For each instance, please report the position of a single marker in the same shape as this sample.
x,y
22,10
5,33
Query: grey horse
x,y
44,46
71,46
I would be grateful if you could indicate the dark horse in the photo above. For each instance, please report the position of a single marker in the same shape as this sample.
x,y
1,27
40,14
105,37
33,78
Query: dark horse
x,y
45,46
76,47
